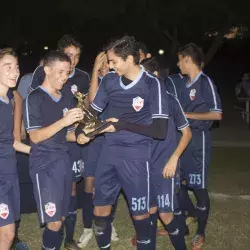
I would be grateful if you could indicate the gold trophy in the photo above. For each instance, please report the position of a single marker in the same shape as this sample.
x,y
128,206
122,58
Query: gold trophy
x,y
91,124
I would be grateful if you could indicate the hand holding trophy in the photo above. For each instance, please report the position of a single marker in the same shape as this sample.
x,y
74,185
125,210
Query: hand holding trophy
x,y
91,124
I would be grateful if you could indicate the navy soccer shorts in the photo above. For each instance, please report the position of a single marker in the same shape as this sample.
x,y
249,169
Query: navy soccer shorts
x,y
132,176
9,199
163,191
91,153
76,161
52,186
195,160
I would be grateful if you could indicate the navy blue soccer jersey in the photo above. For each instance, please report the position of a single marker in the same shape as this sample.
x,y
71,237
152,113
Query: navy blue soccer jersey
x,y
199,96
138,102
163,149
7,151
40,110
173,82
78,81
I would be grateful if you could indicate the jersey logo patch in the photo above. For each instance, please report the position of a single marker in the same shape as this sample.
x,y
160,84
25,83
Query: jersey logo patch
x,y
50,209
4,211
192,94
138,103
74,89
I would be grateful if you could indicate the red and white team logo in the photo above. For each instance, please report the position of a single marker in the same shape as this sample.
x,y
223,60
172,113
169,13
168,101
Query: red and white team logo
x,y
50,209
74,89
192,94
4,211
138,103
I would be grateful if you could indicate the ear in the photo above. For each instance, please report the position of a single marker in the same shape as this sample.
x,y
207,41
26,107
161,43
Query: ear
x,y
47,70
130,59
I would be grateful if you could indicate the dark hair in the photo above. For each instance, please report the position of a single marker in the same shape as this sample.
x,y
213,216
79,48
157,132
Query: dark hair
x,y
142,46
124,47
66,41
7,51
54,56
151,64
194,52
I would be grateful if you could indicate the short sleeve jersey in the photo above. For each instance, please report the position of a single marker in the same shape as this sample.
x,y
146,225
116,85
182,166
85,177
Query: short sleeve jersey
x,y
199,96
40,110
177,121
172,83
7,151
138,102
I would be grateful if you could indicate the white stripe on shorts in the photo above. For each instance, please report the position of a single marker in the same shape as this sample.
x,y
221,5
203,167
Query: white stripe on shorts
x,y
40,198
148,185
172,198
203,159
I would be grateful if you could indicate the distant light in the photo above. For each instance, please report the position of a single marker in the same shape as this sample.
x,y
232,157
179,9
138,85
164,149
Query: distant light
x,y
161,51
46,48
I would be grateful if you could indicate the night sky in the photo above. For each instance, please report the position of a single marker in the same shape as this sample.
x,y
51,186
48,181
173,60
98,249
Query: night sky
x,y
28,26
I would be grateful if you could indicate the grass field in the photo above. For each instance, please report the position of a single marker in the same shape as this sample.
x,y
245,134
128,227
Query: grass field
x,y
229,222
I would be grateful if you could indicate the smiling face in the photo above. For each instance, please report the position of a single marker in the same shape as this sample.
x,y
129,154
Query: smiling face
x,y
116,63
57,74
74,54
9,71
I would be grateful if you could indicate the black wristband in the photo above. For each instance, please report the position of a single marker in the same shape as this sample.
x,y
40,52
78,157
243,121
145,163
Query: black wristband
x,y
78,130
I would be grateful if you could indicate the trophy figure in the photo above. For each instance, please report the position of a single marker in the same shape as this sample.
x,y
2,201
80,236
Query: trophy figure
x,y
91,124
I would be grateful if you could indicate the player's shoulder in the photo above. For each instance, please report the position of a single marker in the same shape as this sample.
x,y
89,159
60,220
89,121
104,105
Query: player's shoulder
x,y
175,77
81,73
36,95
150,78
26,77
110,76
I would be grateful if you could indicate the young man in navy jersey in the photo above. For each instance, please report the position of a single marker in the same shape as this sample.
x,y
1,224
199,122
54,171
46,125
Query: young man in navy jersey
x,y
201,104
9,197
165,171
78,81
48,115
137,105
91,154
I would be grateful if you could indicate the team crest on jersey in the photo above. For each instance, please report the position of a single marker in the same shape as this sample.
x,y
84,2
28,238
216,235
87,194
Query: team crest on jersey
x,y
138,103
65,110
50,209
4,211
74,89
192,94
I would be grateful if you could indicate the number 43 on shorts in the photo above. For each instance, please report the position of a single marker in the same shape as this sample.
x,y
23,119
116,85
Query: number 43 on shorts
x,y
195,179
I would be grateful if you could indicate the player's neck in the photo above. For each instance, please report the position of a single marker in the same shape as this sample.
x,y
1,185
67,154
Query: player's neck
x,y
133,72
47,86
194,73
3,91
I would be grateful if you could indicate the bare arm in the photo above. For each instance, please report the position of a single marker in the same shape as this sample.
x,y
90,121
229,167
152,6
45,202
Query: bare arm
x,y
42,134
17,115
99,61
21,147
170,167
211,115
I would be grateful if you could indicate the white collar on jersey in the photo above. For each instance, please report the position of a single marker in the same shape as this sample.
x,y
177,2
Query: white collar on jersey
x,y
6,101
189,84
52,97
134,82
72,73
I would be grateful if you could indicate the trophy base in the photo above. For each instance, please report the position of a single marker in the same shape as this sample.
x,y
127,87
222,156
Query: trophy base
x,y
91,132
